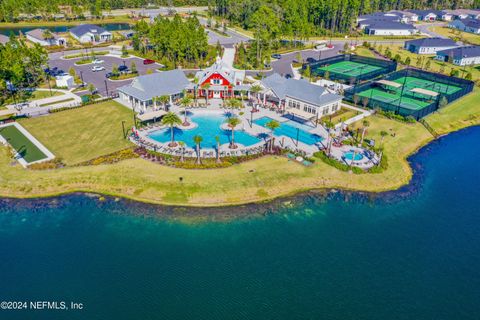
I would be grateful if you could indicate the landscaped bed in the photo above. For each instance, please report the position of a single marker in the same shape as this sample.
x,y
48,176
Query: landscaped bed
x,y
26,147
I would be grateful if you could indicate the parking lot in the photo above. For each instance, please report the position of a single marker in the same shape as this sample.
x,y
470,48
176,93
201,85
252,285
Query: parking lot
x,y
98,78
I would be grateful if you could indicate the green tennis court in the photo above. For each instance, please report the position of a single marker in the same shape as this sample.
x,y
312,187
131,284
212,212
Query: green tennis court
x,y
349,68
413,82
26,148
393,97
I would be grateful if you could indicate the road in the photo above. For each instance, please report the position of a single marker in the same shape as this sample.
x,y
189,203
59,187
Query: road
x,y
98,78
424,28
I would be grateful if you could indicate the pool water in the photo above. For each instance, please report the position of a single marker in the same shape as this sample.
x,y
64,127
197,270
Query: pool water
x,y
289,129
208,127
349,155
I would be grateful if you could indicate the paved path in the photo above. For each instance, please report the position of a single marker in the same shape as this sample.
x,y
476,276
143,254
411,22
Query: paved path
x,y
424,28
228,57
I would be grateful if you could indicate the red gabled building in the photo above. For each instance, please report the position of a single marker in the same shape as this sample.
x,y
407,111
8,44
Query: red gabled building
x,y
219,81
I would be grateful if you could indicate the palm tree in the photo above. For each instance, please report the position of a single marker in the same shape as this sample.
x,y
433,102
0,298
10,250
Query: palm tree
x,y
232,123
206,86
182,145
256,89
366,124
185,102
329,126
164,100
272,125
198,139
195,89
217,140
171,119
383,134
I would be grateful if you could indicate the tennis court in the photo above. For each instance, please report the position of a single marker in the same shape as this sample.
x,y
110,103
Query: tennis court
x,y
394,98
413,82
349,68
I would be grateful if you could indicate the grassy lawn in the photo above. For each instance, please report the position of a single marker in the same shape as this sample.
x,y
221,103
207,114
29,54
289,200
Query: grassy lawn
x,y
88,132
435,65
461,113
82,134
457,35
342,115
22,144
361,51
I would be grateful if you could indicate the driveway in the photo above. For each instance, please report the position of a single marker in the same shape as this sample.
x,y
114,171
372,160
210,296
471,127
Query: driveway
x,y
423,28
98,78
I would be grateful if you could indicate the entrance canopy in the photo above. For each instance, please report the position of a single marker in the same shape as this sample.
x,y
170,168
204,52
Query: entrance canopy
x,y
300,113
151,115
389,83
425,92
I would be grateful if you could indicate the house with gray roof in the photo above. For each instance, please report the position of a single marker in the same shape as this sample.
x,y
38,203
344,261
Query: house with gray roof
x,y
467,25
300,97
89,33
461,56
4,39
429,45
45,38
142,91
390,28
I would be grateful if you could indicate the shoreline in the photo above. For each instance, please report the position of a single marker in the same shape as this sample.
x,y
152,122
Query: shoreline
x,y
265,200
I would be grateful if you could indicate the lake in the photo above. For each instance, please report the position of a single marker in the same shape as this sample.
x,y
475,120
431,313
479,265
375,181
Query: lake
x,y
413,253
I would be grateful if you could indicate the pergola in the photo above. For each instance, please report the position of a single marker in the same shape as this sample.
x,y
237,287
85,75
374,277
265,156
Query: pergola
x,y
151,115
424,92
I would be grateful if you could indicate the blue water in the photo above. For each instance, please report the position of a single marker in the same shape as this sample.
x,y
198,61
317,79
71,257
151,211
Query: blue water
x,y
349,156
208,127
289,129
107,26
408,254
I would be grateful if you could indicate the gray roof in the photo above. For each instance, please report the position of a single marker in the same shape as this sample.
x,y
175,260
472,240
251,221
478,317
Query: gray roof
x,y
426,12
299,89
84,28
379,16
461,52
472,23
38,34
157,84
390,25
4,39
432,42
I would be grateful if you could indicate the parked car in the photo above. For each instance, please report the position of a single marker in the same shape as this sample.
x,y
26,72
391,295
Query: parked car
x,y
148,61
311,60
123,69
97,61
98,68
288,76
109,74
276,56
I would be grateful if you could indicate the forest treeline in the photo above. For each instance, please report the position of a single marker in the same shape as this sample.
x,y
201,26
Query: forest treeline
x,y
336,15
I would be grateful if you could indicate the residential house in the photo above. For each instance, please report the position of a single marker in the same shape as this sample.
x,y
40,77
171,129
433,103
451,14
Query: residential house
x,y
89,33
45,38
405,16
141,92
464,13
461,56
388,28
432,15
429,45
467,25
219,81
299,97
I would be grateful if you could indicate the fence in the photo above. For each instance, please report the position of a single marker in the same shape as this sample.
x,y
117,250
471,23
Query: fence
x,y
386,66
465,86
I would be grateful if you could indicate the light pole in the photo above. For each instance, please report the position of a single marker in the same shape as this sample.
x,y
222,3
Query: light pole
x,y
123,129
106,86
81,77
298,134
251,117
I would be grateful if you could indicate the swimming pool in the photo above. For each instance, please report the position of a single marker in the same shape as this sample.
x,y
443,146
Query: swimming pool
x,y
349,156
208,127
289,129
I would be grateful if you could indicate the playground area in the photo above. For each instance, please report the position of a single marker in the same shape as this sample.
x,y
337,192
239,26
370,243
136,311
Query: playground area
x,y
410,92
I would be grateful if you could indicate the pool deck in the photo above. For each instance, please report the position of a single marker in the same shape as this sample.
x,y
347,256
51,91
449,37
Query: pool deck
x,y
143,136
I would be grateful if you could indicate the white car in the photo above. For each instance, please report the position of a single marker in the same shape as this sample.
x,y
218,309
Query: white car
x,y
98,61
98,68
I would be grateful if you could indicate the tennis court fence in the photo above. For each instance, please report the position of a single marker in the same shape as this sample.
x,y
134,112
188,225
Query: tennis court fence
x,y
397,106
386,66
